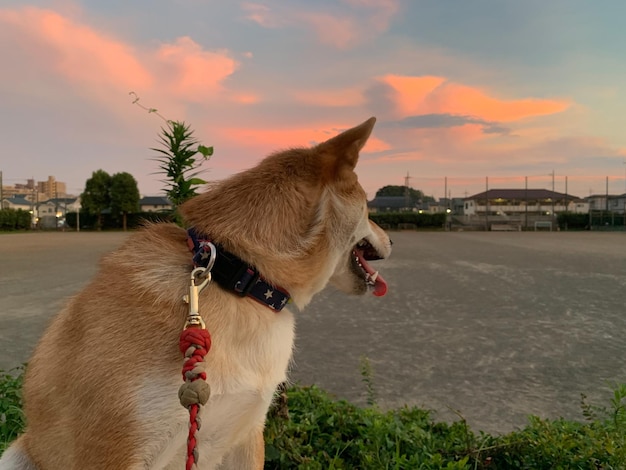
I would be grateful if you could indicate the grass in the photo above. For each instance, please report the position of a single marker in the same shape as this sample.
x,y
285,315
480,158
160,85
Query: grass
x,y
307,429
11,415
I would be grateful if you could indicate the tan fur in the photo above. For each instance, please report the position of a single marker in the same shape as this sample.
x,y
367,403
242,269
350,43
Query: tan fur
x,y
101,387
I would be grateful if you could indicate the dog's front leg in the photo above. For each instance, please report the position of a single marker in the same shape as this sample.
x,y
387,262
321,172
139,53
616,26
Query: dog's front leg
x,y
249,455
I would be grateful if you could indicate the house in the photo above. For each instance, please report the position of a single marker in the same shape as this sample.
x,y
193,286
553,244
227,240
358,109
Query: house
x,y
607,202
453,205
51,213
518,202
618,204
155,204
17,201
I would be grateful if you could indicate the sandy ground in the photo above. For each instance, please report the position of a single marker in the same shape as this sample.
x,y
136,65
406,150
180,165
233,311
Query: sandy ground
x,y
494,325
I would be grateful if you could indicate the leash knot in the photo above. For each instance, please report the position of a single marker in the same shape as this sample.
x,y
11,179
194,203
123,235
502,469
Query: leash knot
x,y
198,338
195,344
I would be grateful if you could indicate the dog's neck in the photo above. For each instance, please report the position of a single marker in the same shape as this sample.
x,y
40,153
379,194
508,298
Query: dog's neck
x,y
235,275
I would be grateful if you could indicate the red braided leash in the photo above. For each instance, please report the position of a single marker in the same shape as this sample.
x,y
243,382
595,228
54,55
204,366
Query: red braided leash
x,y
195,343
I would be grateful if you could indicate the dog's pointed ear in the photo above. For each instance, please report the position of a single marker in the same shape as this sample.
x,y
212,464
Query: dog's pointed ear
x,y
348,144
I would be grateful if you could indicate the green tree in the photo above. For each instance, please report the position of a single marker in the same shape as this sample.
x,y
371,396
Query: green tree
x,y
124,195
97,195
179,161
400,191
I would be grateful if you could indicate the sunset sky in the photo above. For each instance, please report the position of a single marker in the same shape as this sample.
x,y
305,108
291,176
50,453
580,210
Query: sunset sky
x,y
461,89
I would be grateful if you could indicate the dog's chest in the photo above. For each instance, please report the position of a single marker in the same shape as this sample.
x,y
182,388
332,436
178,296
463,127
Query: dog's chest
x,y
242,377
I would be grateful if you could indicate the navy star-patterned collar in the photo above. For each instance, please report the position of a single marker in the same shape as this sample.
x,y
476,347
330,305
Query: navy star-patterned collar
x,y
234,274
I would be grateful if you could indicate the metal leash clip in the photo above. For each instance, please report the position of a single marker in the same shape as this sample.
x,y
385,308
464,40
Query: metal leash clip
x,y
200,278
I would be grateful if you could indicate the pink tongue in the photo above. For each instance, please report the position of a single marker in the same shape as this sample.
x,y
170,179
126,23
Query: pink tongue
x,y
380,285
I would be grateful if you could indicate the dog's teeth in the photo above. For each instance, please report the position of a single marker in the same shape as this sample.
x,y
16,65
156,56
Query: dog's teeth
x,y
373,277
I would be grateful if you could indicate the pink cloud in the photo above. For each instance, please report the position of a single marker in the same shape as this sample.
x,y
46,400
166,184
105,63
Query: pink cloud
x,y
101,64
343,28
339,32
330,98
191,72
260,14
271,139
78,53
381,12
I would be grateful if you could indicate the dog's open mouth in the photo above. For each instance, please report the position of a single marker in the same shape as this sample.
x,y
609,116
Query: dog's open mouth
x,y
361,254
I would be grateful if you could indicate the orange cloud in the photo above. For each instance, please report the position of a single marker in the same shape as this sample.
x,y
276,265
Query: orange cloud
x,y
375,144
415,95
410,156
411,91
461,99
245,98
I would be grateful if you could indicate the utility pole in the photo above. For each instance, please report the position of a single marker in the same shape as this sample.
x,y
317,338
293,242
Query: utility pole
x,y
566,202
486,203
526,203
406,189
552,218
33,207
56,206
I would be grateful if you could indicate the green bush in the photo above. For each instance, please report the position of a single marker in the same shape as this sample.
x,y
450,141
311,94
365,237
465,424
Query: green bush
x,y
423,220
597,220
572,221
135,220
12,219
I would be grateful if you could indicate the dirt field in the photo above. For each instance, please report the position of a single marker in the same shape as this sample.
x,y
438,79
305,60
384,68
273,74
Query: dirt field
x,y
495,325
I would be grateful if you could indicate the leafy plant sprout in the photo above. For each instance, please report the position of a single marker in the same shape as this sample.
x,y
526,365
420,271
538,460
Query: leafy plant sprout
x,y
180,157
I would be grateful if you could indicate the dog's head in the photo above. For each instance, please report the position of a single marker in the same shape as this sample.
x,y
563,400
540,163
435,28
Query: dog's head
x,y
300,217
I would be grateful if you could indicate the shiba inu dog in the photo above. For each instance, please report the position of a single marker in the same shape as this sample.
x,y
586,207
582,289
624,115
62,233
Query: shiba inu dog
x,y
101,387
